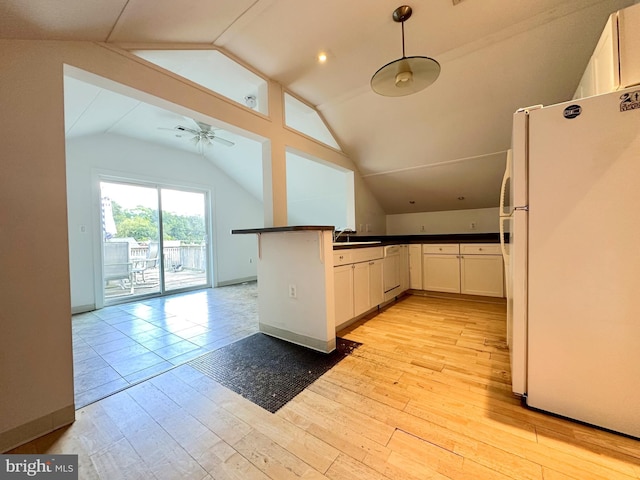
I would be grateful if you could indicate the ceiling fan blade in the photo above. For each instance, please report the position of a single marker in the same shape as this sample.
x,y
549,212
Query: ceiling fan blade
x,y
223,141
192,131
195,140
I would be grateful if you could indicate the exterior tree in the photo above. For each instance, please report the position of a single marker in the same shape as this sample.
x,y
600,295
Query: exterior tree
x,y
141,223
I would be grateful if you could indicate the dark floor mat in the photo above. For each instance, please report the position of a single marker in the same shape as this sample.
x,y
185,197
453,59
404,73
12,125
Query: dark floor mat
x,y
269,371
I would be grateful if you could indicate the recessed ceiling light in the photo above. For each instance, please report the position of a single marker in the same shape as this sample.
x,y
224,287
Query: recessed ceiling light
x,y
460,197
412,202
322,57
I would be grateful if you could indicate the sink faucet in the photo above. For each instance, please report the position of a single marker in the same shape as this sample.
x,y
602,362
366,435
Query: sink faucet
x,y
338,233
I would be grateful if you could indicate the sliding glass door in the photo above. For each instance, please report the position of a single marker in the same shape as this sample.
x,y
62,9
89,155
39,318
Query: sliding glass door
x,y
184,239
154,240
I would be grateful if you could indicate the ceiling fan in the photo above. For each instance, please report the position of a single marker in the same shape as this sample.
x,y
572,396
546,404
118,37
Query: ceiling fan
x,y
202,136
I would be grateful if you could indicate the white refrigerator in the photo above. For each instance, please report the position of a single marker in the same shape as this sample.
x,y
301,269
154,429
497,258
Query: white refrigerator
x,y
570,201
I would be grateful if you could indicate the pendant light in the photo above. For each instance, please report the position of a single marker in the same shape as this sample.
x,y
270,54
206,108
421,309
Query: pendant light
x,y
405,75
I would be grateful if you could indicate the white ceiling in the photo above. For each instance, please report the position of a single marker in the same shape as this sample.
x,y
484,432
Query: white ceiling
x,y
430,148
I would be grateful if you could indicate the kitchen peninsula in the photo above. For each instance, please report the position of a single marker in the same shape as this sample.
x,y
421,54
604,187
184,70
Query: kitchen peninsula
x,y
295,284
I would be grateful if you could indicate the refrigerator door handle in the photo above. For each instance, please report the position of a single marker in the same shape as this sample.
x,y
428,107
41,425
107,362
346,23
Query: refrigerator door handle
x,y
505,255
505,179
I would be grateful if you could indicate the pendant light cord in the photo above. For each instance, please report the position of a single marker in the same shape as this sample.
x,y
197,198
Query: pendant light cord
x,y
403,55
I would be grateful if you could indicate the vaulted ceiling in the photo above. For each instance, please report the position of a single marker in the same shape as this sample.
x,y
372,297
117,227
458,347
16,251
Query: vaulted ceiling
x,y
430,148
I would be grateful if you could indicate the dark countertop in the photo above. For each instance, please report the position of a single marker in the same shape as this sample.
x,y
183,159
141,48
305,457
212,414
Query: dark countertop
x,y
420,239
291,228
383,239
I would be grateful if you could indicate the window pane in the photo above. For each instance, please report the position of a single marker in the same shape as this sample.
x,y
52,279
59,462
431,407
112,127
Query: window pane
x,y
214,70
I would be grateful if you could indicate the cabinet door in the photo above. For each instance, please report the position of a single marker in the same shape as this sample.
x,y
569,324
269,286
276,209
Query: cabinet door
x,y
361,289
376,284
343,285
441,273
415,267
404,268
482,275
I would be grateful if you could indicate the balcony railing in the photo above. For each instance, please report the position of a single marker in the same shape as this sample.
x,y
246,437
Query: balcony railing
x,y
183,257
185,266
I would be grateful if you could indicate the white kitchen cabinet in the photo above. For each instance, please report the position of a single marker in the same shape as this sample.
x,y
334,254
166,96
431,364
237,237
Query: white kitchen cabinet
x,y
614,64
367,286
415,266
482,275
404,268
472,269
358,285
343,286
441,268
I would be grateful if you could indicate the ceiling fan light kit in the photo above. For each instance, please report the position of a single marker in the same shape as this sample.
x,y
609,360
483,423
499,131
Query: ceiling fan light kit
x,y
202,136
405,75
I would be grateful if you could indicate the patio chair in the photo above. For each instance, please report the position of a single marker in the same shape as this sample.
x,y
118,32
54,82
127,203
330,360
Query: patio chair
x,y
148,263
117,263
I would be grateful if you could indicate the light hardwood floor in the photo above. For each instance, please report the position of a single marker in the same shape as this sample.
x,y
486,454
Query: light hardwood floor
x,y
426,396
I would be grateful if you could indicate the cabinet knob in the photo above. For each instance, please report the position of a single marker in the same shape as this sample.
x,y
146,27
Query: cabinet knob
x,y
440,248
341,257
480,249
372,263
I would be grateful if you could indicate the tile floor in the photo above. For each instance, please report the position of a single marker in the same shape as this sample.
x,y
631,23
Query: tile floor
x,y
118,346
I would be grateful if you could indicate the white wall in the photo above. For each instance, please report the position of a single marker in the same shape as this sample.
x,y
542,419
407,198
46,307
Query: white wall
x,y
123,157
453,221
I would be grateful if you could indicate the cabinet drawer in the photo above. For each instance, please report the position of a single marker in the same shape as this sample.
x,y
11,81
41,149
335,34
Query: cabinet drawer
x,y
444,248
365,254
342,257
356,255
480,249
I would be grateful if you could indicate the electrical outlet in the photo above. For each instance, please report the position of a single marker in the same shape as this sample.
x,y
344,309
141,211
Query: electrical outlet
x,y
292,291
472,225
368,227
422,228
250,260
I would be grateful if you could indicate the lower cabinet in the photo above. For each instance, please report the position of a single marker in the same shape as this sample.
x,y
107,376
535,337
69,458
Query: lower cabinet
x,y
481,270
441,273
415,266
358,287
441,268
472,269
404,268
368,291
343,287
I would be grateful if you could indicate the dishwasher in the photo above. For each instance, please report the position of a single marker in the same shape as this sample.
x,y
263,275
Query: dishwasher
x,y
391,271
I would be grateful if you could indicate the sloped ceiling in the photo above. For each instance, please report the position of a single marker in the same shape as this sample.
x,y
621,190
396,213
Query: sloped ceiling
x,y
431,148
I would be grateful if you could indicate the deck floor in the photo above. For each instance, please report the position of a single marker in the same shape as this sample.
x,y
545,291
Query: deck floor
x,y
150,284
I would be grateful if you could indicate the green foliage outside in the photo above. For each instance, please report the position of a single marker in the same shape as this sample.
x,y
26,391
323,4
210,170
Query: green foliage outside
x,y
141,223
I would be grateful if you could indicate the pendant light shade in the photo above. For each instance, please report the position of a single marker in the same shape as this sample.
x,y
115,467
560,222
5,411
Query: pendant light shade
x,y
405,75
